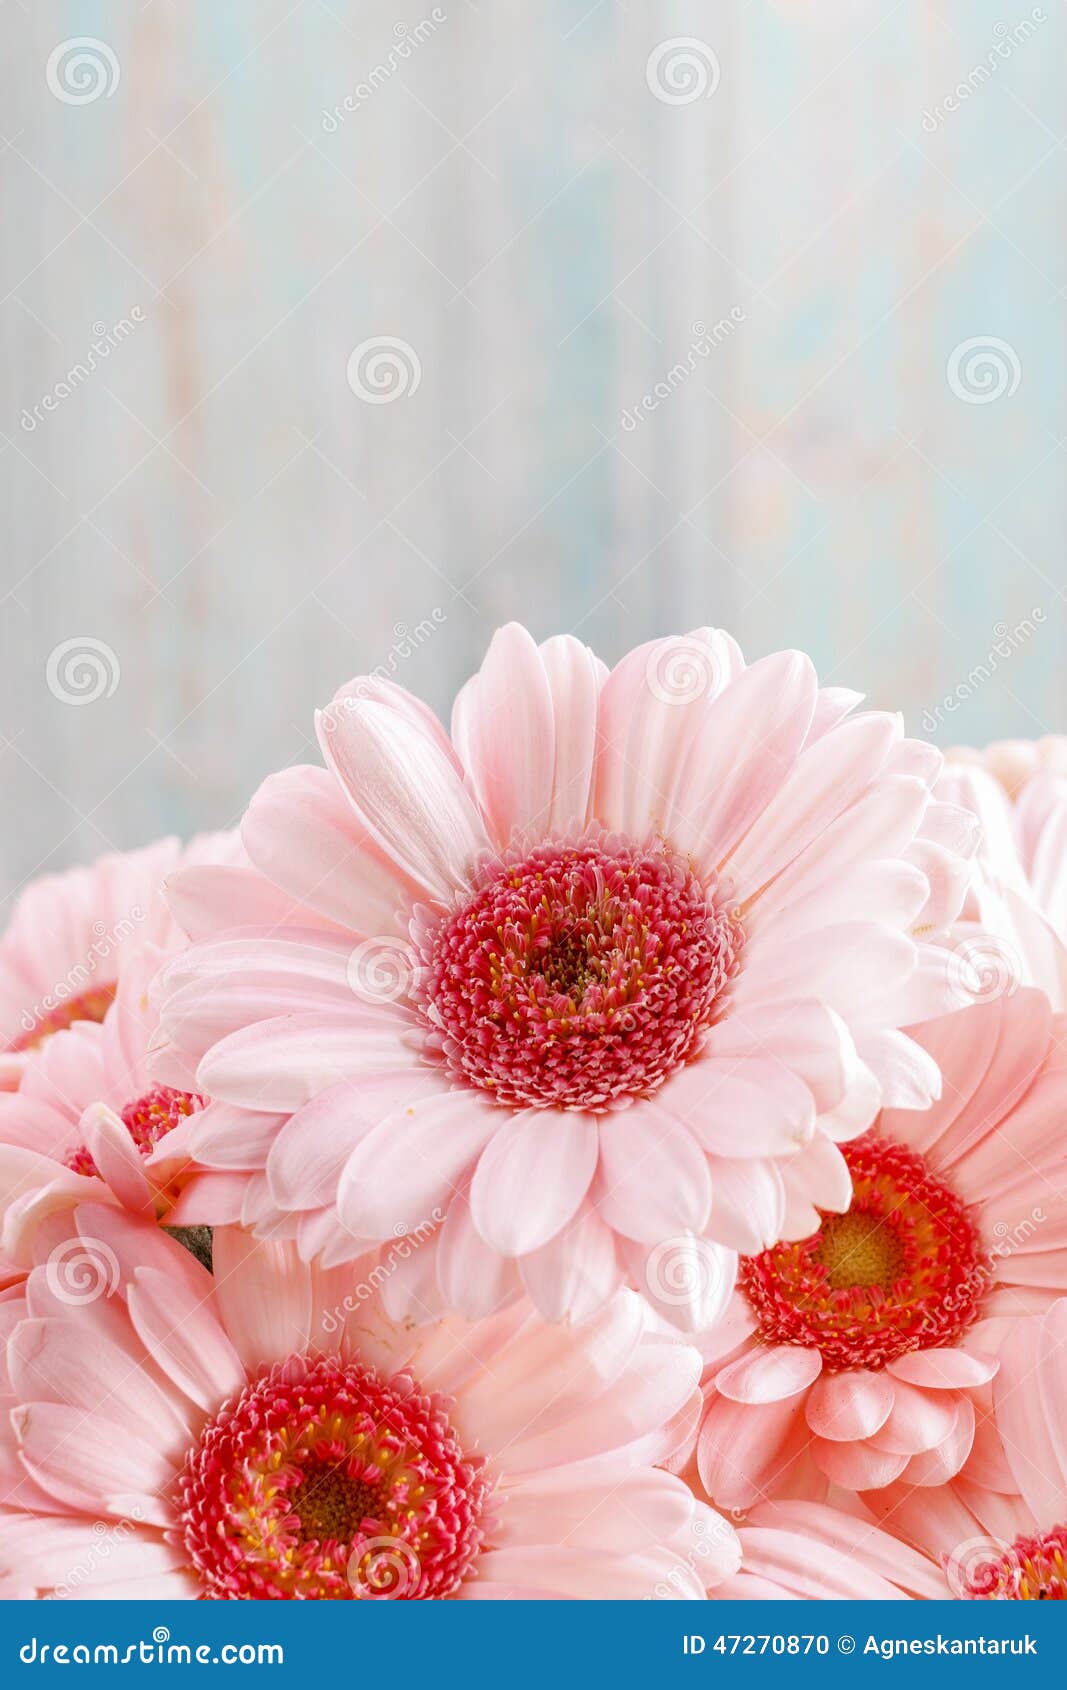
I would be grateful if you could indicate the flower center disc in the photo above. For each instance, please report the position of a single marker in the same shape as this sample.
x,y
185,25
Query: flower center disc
x,y
1033,1570
324,1481
577,976
903,1269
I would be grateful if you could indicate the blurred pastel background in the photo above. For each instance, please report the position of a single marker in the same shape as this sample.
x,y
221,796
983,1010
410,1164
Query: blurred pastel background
x,y
335,334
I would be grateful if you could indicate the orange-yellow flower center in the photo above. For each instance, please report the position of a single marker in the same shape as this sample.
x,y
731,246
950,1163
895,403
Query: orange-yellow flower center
x,y
903,1269
91,1005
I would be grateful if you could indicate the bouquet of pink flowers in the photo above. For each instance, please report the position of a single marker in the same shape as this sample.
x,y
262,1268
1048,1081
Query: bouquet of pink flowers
x,y
615,1148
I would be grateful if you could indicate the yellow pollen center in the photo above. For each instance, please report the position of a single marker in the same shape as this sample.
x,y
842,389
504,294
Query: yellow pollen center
x,y
860,1249
331,1506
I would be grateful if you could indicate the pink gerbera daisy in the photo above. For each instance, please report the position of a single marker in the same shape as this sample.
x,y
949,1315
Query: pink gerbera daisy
x,y
88,1115
64,947
271,1433
999,1531
610,970
1013,926
858,1355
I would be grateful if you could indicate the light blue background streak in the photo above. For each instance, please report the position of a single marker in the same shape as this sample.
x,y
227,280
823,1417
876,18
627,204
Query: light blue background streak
x,y
220,509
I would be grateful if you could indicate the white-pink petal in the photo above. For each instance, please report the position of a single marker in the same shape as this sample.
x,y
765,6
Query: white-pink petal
x,y
532,1176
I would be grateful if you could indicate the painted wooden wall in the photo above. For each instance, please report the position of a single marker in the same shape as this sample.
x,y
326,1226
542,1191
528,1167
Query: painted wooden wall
x,y
552,207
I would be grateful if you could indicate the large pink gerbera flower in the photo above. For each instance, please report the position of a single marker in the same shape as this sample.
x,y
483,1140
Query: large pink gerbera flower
x,y
858,1354
1000,1530
1014,921
272,1433
64,948
611,969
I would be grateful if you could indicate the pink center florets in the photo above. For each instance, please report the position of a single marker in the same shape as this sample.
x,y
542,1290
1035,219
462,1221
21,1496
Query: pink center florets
x,y
904,1268
1033,1569
578,976
323,1480
147,1119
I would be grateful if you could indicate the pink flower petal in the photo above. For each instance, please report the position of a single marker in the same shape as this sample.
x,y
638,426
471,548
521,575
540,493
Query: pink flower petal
x,y
809,1038
282,1064
938,1465
503,726
918,1420
405,792
744,1107
575,1273
745,1451
652,706
474,1278
653,1180
182,1334
301,833
263,1297
531,1178
945,1370
848,1406
828,777
857,1466
748,1205
117,1158
93,1463
1029,1392
412,1163
771,1374
751,736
